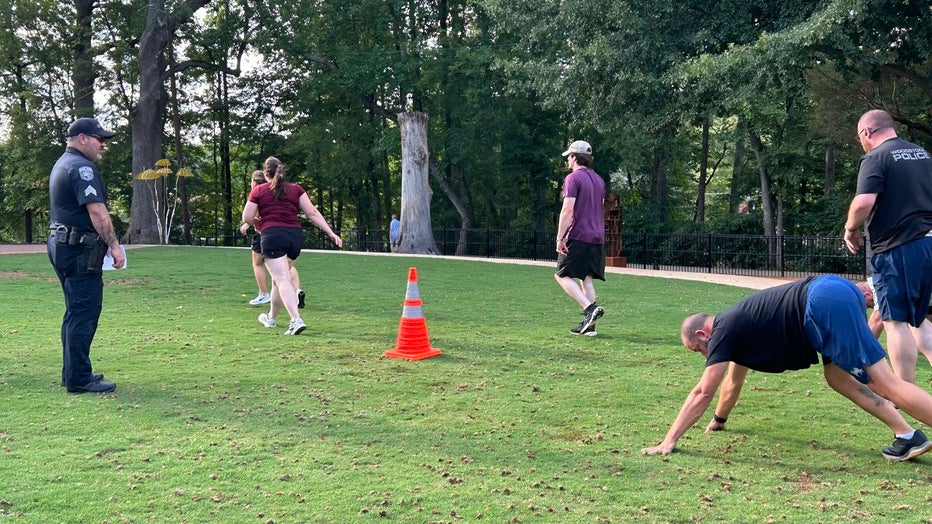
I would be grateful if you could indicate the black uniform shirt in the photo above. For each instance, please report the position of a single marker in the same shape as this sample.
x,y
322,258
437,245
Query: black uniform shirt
x,y
74,183
765,331
900,173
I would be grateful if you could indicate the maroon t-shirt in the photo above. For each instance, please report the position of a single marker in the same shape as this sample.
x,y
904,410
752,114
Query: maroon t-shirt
x,y
278,213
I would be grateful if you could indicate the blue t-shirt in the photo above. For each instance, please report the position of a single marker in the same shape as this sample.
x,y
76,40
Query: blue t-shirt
x,y
394,228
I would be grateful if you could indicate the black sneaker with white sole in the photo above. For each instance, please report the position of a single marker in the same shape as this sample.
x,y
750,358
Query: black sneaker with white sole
x,y
903,449
593,313
578,330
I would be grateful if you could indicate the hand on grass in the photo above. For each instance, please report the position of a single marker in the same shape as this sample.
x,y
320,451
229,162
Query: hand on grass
x,y
662,449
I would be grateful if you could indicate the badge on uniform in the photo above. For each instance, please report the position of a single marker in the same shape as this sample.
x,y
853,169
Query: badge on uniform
x,y
86,173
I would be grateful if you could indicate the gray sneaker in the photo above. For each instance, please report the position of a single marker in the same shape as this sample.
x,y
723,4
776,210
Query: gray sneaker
x,y
903,449
267,321
260,299
295,327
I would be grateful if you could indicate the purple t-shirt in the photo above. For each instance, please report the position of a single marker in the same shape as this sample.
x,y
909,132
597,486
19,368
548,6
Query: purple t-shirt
x,y
588,188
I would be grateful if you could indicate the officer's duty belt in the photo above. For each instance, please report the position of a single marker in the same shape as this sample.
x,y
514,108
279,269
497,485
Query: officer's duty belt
x,y
65,234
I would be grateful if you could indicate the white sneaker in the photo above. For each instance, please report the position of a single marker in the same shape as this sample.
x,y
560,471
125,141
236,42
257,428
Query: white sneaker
x,y
267,321
260,299
295,327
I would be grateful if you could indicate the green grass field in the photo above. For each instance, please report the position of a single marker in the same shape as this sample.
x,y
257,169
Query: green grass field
x,y
218,419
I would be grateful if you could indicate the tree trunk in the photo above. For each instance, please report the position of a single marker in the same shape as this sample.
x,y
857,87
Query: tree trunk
x,y
147,119
699,217
226,177
465,221
83,72
766,193
182,196
829,169
737,168
416,236
658,186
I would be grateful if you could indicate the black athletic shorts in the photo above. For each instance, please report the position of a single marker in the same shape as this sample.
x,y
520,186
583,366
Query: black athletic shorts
x,y
583,260
280,241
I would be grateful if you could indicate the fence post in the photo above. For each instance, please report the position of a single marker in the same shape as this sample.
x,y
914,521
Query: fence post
x,y
709,252
488,242
781,240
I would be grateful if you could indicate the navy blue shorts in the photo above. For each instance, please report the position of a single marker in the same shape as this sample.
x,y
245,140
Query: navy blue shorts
x,y
281,241
837,327
903,281
583,260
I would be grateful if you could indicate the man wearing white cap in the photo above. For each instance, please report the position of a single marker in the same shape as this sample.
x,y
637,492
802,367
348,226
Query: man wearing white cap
x,y
581,235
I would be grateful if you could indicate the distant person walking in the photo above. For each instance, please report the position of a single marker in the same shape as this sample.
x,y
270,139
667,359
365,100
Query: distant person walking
x,y
581,235
81,234
394,231
277,203
894,200
786,328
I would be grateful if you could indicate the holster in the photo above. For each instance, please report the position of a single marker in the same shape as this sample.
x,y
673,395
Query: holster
x,y
94,254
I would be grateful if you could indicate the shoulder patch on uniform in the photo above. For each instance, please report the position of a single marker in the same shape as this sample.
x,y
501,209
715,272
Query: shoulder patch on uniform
x,y
90,191
86,173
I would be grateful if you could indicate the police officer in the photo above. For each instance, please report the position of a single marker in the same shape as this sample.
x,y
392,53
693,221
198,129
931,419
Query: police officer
x,y
81,234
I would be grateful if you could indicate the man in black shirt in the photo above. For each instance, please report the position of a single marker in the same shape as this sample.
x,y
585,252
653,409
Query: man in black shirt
x,y
786,328
894,200
80,236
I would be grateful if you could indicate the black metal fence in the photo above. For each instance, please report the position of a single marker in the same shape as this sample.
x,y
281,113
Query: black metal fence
x,y
751,255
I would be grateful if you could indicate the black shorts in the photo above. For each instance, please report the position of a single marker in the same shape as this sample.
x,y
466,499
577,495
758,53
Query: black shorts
x,y
257,243
281,241
583,260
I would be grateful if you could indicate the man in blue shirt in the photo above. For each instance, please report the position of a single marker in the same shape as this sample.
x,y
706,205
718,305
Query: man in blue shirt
x,y
394,229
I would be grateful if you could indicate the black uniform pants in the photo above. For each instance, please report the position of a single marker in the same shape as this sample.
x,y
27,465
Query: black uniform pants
x,y
84,292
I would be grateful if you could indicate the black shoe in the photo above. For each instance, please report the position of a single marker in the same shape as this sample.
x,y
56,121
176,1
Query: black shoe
x,y
98,386
578,330
903,449
592,315
95,377
300,299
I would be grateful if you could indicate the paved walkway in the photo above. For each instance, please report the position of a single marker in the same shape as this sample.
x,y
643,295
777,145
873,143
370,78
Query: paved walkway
x,y
728,280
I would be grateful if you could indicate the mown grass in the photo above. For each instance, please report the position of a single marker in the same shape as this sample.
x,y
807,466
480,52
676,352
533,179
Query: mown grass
x,y
217,419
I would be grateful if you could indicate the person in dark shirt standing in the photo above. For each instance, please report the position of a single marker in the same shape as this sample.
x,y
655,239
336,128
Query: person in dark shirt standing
x,y
81,234
894,200
786,328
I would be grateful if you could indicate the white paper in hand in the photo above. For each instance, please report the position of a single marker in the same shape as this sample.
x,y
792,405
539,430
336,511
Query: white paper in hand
x,y
108,260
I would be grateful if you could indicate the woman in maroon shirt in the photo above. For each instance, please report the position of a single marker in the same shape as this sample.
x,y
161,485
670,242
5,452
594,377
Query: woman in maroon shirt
x,y
277,202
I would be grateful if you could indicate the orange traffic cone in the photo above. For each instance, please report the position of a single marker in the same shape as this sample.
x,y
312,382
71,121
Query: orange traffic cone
x,y
412,342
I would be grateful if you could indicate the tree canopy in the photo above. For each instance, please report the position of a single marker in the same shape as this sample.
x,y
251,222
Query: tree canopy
x,y
704,115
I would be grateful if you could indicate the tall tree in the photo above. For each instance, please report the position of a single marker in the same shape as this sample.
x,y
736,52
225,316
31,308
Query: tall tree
x,y
148,117
416,235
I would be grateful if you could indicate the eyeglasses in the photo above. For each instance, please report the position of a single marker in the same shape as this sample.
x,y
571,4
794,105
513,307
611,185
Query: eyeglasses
x,y
869,131
98,139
